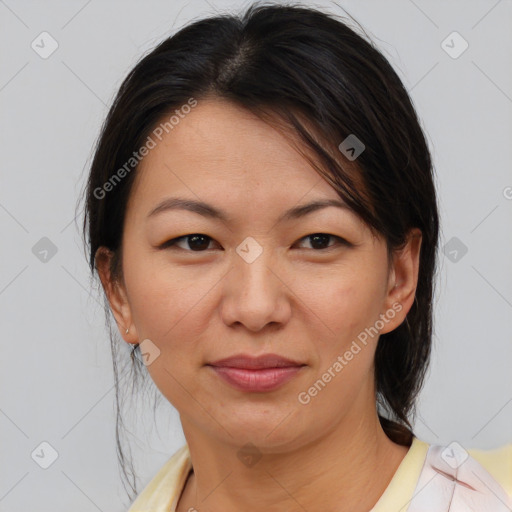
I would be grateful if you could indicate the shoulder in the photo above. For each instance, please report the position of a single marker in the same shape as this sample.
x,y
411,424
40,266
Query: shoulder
x,y
165,487
457,478
498,462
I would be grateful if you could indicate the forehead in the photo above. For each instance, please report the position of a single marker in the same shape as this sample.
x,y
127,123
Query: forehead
x,y
220,150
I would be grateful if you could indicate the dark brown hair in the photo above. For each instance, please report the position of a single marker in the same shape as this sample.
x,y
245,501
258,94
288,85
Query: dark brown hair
x,y
316,77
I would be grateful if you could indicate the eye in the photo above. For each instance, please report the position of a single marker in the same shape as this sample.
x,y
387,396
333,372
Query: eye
x,y
320,241
196,242
199,242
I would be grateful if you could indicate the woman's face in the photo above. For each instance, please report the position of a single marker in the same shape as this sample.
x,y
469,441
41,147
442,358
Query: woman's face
x,y
254,283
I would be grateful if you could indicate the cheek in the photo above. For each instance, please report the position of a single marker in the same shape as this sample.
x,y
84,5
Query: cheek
x,y
345,356
166,303
346,305
173,313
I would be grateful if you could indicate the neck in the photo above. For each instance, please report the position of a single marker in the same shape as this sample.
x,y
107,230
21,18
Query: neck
x,y
336,472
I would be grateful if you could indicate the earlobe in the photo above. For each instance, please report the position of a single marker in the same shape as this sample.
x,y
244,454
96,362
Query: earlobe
x,y
116,295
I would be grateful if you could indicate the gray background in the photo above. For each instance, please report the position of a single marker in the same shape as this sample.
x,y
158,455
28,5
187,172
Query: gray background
x,y
56,375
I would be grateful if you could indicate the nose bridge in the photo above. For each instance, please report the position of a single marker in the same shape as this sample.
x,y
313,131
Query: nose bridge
x,y
254,280
255,276
254,295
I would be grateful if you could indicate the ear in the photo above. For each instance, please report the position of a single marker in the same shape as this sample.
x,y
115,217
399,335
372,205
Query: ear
x,y
116,295
403,280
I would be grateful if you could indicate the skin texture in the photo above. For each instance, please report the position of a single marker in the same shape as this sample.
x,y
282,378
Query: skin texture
x,y
301,302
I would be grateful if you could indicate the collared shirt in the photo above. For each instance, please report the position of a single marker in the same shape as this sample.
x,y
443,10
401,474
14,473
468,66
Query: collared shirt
x,y
430,478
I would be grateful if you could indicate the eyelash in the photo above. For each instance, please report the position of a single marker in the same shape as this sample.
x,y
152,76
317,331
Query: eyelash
x,y
172,243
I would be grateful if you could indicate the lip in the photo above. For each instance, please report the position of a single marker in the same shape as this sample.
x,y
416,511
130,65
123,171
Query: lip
x,y
256,374
248,362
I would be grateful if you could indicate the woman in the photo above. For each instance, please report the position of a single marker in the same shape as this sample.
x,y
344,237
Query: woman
x,y
262,214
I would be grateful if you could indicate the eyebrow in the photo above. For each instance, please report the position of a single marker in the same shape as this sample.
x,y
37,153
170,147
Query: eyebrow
x,y
207,210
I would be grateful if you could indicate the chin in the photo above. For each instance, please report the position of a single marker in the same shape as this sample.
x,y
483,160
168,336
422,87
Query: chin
x,y
264,427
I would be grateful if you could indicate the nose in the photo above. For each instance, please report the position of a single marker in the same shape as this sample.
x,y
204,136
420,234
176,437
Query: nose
x,y
255,294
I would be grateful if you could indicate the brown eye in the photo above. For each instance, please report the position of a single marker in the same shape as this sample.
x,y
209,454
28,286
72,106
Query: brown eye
x,y
196,242
320,241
